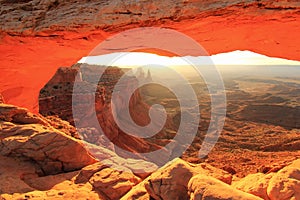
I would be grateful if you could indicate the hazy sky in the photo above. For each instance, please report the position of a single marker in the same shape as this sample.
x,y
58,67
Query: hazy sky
x,y
140,59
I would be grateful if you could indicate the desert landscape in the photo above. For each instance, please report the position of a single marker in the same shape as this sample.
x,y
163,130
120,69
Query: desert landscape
x,y
74,127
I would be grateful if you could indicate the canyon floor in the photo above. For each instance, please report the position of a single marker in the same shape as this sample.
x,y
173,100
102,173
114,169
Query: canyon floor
x,y
34,51
38,162
256,156
262,120
42,156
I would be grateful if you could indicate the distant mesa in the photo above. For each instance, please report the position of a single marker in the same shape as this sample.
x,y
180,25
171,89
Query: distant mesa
x,y
142,77
43,155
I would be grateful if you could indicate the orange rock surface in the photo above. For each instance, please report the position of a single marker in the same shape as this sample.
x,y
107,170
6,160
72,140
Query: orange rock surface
x,y
28,62
37,162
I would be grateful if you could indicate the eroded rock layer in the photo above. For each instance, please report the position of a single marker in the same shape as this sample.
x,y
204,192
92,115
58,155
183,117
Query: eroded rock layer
x,y
94,110
266,27
34,16
28,136
31,149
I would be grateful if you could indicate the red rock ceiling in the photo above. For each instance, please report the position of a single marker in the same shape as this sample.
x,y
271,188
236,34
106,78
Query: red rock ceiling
x,y
28,62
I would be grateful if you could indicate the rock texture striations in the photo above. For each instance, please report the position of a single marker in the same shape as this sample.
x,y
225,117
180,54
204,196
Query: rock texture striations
x,y
44,35
38,161
29,136
61,96
43,17
44,158
43,162
181,180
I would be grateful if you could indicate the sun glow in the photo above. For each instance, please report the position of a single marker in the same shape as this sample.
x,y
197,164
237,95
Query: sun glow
x,y
132,59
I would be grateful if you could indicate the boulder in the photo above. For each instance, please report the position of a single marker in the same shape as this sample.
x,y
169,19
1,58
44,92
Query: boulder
x,y
280,184
137,192
255,184
14,114
202,187
11,171
78,193
295,163
285,184
109,181
29,136
113,183
59,186
170,181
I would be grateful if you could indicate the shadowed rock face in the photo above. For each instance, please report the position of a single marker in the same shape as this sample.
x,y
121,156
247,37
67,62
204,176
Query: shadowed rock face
x,y
31,149
56,96
59,97
233,24
61,27
37,157
29,136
